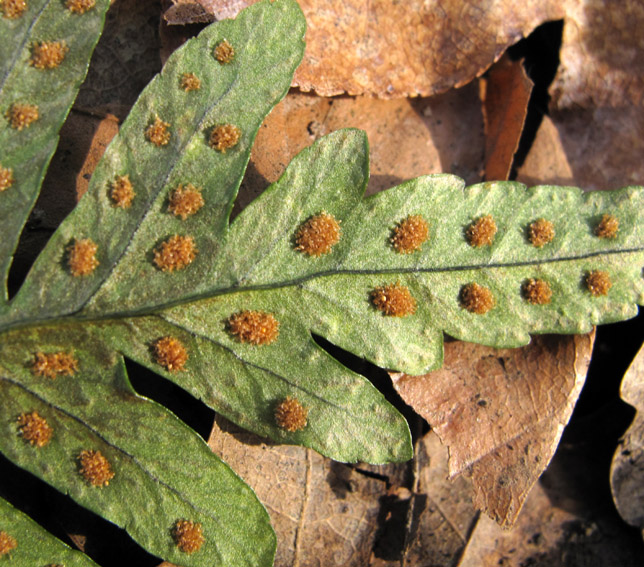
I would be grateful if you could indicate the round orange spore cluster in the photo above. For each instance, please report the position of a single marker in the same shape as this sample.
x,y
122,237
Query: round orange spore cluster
x,y
170,353
122,192
318,235
158,132
291,415
224,137
541,232
254,327
190,82
481,232
6,178
54,364
48,54
477,298
7,543
410,234
224,52
175,253
598,283
608,227
95,468
188,536
34,429
394,300
81,257
22,115
537,292
80,6
12,9
185,201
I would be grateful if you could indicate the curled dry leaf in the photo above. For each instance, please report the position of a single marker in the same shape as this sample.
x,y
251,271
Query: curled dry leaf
x,y
501,412
398,49
627,471
505,93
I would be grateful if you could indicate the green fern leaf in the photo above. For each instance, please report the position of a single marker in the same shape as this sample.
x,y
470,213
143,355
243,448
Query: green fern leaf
x,y
149,267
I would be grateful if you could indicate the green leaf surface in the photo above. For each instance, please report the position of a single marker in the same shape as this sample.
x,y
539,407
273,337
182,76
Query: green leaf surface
x,y
34,545
163,471
27,151
128,301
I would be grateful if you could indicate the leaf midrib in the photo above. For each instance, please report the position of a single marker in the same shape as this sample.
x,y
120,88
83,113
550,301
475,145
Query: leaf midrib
x,y
76,316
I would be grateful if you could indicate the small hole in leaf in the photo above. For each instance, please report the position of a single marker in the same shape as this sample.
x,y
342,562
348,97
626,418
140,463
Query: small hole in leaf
x,y
95,468
224,52
318,235
537,292
22,115
188,536
80,6
254,327
481,232
6,178
477,298
190,82
224,137
81,257
158,132
175,253
291,415
122,193
541,232
48,54
185,201
598,283
170,353
54,364
394,300
608,227
12,9
410,234
34,429
7,543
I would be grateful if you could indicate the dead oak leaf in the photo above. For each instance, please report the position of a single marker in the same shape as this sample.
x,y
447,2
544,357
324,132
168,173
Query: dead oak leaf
x,y
627,471
398,49
501,412
601,55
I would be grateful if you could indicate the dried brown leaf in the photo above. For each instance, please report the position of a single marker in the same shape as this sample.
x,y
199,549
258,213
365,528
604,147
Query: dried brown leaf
x,y
397,49
501,412
601,55
443,514
324,513
407,138
627,471
505,93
